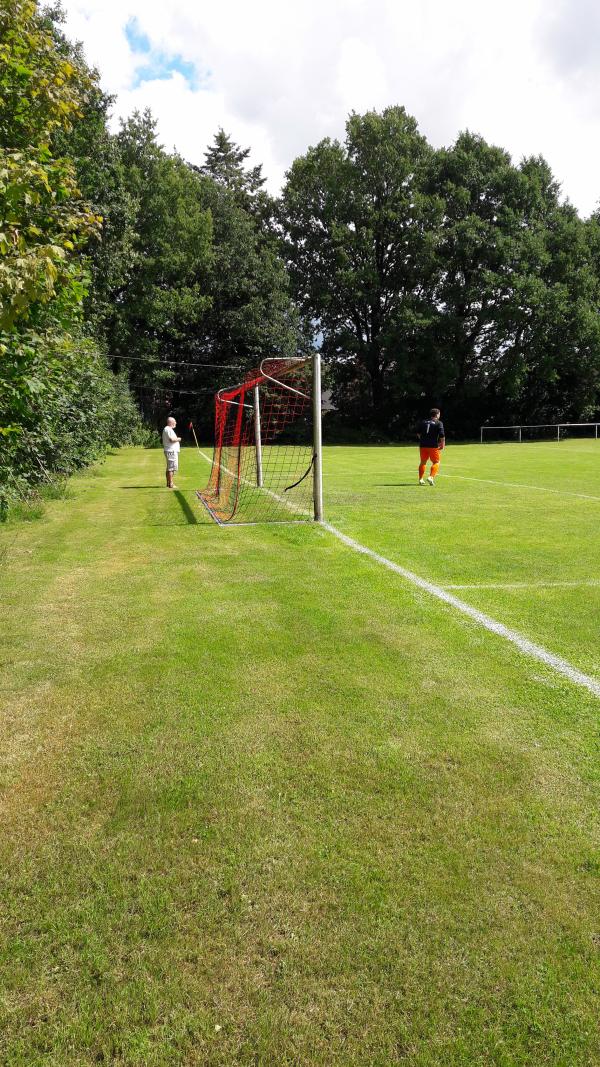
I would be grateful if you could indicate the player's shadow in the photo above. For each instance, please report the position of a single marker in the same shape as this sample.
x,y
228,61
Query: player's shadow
x,y
396,485
191,517
188,511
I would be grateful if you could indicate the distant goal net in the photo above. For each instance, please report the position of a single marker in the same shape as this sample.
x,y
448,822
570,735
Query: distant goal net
x,y
551,431
266,463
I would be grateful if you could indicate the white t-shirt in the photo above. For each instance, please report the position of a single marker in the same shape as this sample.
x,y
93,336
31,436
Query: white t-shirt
x,y
169,439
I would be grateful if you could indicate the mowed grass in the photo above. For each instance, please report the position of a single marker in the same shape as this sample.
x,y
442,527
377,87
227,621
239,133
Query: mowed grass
x,y
516,527
263,802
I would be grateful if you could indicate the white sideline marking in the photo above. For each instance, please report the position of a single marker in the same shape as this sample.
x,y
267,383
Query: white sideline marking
x,y
587,584
529,648
525,646
520,485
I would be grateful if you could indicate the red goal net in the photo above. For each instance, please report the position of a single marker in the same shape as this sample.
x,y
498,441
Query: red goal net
x,y
263,453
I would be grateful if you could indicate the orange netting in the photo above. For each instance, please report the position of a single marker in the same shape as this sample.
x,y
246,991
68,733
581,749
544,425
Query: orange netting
x,y
263,451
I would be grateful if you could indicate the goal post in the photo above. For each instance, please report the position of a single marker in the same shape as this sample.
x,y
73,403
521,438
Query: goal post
x,y
258,438
317,439
267,460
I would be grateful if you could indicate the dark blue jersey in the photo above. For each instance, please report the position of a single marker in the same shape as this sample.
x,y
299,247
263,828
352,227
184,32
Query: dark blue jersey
x,y
431,432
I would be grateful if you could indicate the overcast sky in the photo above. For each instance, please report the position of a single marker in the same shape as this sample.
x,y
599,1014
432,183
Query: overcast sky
x,y
281,74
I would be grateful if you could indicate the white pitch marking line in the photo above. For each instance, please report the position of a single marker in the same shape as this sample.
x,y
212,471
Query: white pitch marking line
x,y
520,485
592,583
525,646
528,648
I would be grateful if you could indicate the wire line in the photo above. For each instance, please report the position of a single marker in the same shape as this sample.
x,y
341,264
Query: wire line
x,y
176,362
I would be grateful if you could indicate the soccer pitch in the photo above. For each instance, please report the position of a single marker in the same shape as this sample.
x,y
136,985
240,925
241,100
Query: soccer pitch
x,y
265,801
511,529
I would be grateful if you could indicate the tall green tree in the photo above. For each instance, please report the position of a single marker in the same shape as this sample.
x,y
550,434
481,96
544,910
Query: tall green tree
x,y
205,283
225,162
513,291
43,217
450,277
100,171
52,381
252,314
360,240
559,345
158,310
488,236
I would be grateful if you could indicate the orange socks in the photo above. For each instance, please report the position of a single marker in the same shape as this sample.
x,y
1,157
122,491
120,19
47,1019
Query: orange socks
x,y
434,469
422,470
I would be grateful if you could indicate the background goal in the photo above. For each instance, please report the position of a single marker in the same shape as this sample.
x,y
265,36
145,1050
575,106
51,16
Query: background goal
x,y
551,431
267,455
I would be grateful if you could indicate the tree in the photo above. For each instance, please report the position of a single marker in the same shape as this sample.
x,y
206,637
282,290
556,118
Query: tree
x,y
55,387
43,217
359,237
486,240
251,314
224,163
152,309
451,277
559,351
101,176
513,290
205,282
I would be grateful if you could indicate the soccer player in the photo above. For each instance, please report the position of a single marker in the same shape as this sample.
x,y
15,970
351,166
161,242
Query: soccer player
x,y
170,443
432,439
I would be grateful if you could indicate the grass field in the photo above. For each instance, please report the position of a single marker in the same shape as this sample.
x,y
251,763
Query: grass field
x,y
265,802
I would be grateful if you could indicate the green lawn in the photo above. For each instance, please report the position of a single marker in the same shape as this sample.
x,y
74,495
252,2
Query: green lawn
x,y
263,802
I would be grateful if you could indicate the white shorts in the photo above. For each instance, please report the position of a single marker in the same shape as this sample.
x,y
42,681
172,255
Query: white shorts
x,y
172,458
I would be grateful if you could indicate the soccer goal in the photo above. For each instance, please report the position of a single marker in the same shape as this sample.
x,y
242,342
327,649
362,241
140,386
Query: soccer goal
x,y
267,463
551,431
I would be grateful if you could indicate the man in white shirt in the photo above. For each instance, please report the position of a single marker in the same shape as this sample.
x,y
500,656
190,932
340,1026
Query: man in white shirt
x,y
171,442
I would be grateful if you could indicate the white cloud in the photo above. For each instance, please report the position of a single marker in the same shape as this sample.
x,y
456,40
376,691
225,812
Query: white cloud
x,y
361,80
281,75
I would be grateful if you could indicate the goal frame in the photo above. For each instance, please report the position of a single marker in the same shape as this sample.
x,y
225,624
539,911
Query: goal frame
x,y
558,426
316,466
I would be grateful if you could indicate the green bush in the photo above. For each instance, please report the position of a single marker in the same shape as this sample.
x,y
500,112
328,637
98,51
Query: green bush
x,y
61,407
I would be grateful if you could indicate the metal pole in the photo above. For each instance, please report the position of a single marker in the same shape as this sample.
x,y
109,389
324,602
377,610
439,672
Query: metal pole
x,y
257,439
558,432
317,439
520,435
481,435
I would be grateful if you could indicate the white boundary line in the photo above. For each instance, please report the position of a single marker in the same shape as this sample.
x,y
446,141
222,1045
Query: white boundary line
x,y
520,485
592,583
528,648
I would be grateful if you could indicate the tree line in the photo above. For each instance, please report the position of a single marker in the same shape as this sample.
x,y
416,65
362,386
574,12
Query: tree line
x,y
133,283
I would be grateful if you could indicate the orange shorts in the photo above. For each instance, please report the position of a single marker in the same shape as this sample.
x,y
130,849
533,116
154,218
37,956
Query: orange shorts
x,y
430,453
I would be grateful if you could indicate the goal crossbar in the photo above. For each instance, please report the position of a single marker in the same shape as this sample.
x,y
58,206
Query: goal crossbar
x,y
267,445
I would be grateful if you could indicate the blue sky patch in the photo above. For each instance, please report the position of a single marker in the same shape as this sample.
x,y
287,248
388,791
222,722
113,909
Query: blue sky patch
x,y
159,65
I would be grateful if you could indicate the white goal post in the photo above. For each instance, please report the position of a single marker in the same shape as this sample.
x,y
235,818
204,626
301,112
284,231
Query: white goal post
x,y
267,461
520,431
